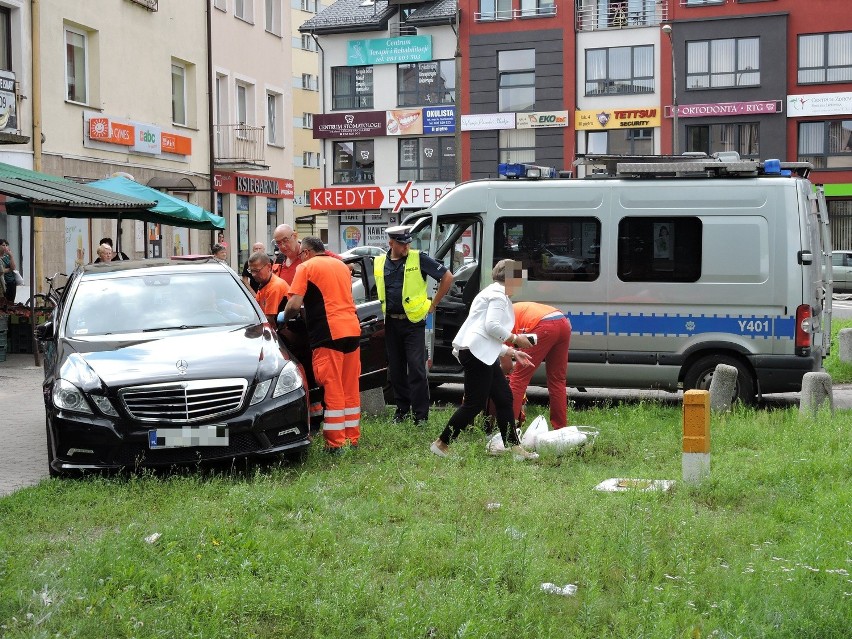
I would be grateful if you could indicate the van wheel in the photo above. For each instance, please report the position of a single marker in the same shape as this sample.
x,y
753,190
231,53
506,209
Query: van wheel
x,y
700,374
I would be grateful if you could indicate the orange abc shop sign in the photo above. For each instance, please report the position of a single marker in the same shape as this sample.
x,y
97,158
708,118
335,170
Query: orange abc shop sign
x,y
110,131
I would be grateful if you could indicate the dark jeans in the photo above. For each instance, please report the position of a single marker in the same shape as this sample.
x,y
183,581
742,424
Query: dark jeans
x,y
11,290
481,382
406,346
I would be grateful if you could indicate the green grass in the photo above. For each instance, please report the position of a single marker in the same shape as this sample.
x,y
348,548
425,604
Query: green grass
x,y
390,541
841,372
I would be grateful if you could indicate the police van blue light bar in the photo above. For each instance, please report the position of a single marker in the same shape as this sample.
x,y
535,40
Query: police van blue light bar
x,y
521,170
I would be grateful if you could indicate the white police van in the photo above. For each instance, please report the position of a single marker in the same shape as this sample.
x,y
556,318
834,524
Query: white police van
x,y
666,267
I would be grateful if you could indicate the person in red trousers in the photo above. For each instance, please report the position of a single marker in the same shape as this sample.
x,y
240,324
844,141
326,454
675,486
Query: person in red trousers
x,y
553,332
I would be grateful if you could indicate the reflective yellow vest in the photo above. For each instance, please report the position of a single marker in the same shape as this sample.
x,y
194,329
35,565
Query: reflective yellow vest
x,y
415,301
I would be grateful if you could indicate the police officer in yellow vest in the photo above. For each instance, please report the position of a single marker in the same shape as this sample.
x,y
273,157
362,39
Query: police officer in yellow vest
x,y
401,285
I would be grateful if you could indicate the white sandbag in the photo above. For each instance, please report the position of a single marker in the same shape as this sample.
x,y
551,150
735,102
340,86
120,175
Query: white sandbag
x,y
495,445
564,439
538,426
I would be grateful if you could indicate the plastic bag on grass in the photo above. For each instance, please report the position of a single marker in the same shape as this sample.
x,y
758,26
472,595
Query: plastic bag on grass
x,y
565,439
538,427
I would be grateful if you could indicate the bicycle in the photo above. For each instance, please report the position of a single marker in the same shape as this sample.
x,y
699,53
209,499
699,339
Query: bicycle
x,y
47,301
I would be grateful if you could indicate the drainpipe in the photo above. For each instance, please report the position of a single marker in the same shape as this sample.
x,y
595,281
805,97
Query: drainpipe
x,y
211,159
36,223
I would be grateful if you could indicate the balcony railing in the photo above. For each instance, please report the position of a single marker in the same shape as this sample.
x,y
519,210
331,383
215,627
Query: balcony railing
x,y
594,15
401,29
240,146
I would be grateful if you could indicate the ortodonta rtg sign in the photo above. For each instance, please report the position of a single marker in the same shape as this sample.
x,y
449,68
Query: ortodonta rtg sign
x,y
389,50
410,195
634,118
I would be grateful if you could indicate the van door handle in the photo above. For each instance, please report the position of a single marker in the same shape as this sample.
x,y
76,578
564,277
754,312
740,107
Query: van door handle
x,y
805,257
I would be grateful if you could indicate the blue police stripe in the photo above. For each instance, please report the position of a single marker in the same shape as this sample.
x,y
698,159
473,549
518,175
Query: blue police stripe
x,y
663,325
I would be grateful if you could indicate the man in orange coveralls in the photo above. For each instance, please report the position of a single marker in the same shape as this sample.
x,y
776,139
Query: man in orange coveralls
x,y
324,284
273,291
553,331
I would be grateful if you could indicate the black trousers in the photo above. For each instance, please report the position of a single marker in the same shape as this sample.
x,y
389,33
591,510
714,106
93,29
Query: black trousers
x,y
406,346
481,382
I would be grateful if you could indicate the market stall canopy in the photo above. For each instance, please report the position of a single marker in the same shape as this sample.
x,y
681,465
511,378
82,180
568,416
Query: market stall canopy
x,y
169,209
33,193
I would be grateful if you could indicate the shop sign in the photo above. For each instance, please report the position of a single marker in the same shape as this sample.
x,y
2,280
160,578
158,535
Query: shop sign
x,y
404,122
104,130
641,118
8,102
245,184
542,119
389,50
349,125
800,106
761,107
487,121
439,120
173,143
147,139
411,195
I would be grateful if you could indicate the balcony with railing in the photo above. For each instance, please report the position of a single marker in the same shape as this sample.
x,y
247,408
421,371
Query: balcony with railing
x,y
595,15
240,146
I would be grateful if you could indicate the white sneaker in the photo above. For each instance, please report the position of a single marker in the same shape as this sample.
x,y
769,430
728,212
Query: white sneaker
x,y
519,453
437,451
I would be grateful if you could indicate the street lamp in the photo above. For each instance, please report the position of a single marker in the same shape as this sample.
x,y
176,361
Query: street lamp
x,y
667,29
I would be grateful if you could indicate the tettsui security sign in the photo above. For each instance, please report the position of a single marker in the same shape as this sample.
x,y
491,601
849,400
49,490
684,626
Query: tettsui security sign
x,y
389,50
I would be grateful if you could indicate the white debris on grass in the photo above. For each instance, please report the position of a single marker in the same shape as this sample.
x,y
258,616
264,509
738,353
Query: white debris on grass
x,y
152,538
567,590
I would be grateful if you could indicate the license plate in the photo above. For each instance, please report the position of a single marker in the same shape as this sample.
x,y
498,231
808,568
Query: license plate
x,y
210,435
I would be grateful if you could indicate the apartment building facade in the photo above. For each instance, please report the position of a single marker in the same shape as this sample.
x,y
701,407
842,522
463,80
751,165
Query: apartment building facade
x,y
123,91
253,145
388,119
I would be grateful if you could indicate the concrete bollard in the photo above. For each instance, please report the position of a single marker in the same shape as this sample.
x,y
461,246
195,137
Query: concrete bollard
x,y
723,386
373,402
696,435
844,339
816,391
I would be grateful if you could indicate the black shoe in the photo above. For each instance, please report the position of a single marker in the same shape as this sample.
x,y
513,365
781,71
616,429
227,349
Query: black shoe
x,y
400,418
420,423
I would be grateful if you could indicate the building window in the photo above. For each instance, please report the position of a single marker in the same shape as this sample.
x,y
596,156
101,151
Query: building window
x,y
825,57
272,16
307,120
76,66
308,43
742,138
308,5
490,10
310,159
5,39
353,162
309,82
532,8
626,142
551,249
516,80
243,9
245,104
732,62
517,145
352,87
274,117
178,93
427,159
620,70
222,5
659,249
826,145
426,83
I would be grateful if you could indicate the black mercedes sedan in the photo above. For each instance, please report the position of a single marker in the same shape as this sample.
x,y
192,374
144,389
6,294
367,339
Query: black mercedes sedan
x,y
154,363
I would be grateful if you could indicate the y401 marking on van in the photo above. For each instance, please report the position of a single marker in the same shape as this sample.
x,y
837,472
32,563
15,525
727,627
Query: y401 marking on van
x,y
754,326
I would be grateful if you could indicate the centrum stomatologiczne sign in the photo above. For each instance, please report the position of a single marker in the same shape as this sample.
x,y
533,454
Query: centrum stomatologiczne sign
x,y
389,50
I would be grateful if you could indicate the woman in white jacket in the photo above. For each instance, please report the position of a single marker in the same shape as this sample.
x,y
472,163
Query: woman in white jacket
x,y
479,344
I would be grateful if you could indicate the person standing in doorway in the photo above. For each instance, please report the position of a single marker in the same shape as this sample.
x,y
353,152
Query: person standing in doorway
x,y
7,259
553,333
401,286
323,283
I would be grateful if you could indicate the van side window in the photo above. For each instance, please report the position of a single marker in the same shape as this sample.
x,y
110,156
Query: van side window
x,y
659,249
551,249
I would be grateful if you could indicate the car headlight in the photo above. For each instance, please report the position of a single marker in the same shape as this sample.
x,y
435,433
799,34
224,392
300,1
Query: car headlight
x,y
104,405
68,397
288,380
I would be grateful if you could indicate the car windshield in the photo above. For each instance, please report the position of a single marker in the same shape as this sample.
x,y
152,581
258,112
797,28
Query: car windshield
x,y
147,302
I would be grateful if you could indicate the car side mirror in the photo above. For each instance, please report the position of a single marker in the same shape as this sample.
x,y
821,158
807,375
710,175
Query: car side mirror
x,y
44,331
